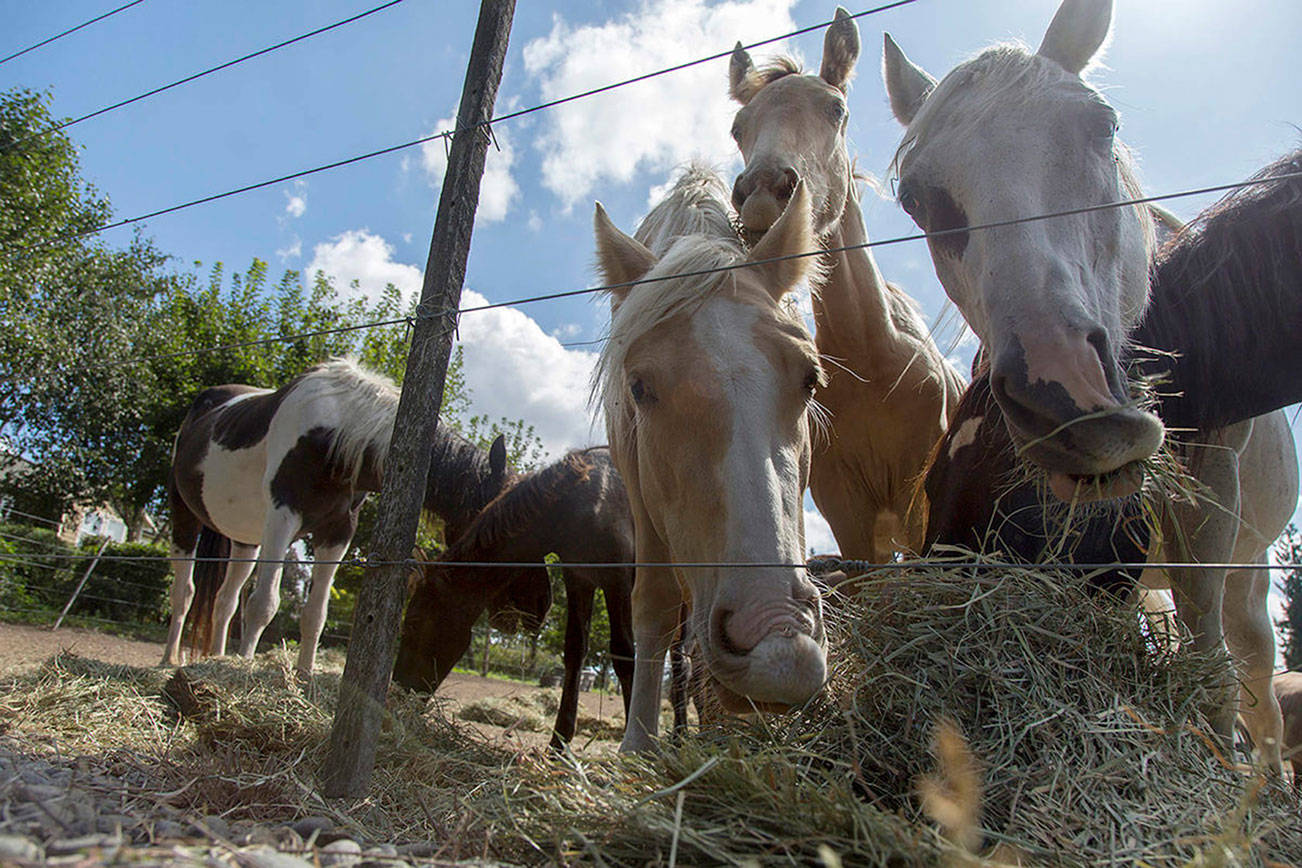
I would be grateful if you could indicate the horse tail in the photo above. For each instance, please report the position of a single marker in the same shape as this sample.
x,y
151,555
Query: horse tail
x,y
211,556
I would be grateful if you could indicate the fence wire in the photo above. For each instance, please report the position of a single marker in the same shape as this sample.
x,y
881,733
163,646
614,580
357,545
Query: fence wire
x,y
608,287
71,30
446,135
816,564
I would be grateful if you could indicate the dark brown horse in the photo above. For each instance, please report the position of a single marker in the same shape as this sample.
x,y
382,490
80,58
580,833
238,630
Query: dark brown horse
x,y
576,508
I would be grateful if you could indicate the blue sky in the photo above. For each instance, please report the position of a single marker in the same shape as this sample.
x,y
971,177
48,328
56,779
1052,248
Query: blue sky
x,y
1207,92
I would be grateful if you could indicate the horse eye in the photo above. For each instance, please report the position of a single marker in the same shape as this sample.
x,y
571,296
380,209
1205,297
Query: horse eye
x,y
642,394
911,204
837,111
736,133
812,380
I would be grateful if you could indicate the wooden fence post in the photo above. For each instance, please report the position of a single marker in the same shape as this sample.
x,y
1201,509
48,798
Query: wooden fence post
x,y
371,649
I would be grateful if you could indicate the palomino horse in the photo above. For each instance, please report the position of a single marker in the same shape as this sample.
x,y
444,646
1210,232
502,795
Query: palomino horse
x,y
706,382
1288,690
1008,135
576,508
889,391
263,468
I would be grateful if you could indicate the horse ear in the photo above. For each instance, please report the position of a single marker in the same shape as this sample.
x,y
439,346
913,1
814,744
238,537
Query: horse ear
x,y
907,84
622,258
497,456
1077,33
739,69
840,50
793,233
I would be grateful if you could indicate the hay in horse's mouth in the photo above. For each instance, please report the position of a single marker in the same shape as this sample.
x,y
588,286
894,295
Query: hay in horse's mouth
x,y
1122,482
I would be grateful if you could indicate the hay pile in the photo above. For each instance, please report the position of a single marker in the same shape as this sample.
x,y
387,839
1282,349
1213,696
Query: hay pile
x,y
1091,747
243,740
1081,744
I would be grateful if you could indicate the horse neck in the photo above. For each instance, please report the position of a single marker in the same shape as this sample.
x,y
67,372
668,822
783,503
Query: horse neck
x,y
852,311
459,482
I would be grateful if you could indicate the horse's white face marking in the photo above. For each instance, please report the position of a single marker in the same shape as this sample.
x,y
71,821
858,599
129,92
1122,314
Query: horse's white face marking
x,y
965,435
1009,135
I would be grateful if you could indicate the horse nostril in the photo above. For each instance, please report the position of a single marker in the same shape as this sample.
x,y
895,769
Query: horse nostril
x,y
790,178
1098,339
739,192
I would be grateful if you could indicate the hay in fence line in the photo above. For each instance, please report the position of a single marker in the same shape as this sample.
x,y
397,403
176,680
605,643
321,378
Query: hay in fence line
x,y
1085,744
1090,738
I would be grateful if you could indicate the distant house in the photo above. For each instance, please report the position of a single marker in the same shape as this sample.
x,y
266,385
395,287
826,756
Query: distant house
x,y
77,523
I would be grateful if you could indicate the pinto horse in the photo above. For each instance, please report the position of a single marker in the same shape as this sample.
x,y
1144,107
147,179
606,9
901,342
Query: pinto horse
x,y
889,391
576,508
707,381
258,468
1055,302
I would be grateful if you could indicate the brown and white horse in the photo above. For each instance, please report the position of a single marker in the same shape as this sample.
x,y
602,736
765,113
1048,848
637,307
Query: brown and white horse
x,y
262,468
707,382
889,391
1011,134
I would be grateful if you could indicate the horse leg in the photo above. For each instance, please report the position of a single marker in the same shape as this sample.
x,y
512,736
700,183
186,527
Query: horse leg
x,y
182,594
278,532
656,604
678,675
1205,532
228,596
185,539
619,608
312,620
578,619
1251,638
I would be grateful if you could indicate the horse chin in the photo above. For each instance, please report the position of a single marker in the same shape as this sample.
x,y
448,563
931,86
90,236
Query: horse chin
x,y
734,703
760,211
1122,482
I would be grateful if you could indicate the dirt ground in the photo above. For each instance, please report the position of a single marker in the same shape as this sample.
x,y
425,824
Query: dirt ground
x,y
24,646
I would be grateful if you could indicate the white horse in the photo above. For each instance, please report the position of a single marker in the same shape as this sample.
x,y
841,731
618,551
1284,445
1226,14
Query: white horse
x,y
1011,134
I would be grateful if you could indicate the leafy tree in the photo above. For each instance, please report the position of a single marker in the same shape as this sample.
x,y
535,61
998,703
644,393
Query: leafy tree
x,y
1289,551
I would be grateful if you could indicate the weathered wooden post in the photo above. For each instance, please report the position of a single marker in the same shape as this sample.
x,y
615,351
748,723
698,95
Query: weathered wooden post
x,y
371,649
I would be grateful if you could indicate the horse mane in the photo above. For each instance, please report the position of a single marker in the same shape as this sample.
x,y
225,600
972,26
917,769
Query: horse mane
x,y
760,77
525,499
690,230
368,403
460,481
1226,295
1010,72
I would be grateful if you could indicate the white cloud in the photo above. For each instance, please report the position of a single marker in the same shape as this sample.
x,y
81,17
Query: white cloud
x,y
818,533
513,367
296,201
358,256
498,189
292,251
653,125
517,370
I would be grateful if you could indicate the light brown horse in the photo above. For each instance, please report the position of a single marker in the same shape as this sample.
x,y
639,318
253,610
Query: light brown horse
x,y
707,381
1288,690
889,390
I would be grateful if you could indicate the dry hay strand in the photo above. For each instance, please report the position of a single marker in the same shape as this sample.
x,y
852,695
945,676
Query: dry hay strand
x,y
244,740
1090,740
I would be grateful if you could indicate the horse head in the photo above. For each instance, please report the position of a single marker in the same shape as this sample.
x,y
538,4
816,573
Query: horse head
x,y
1009,135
